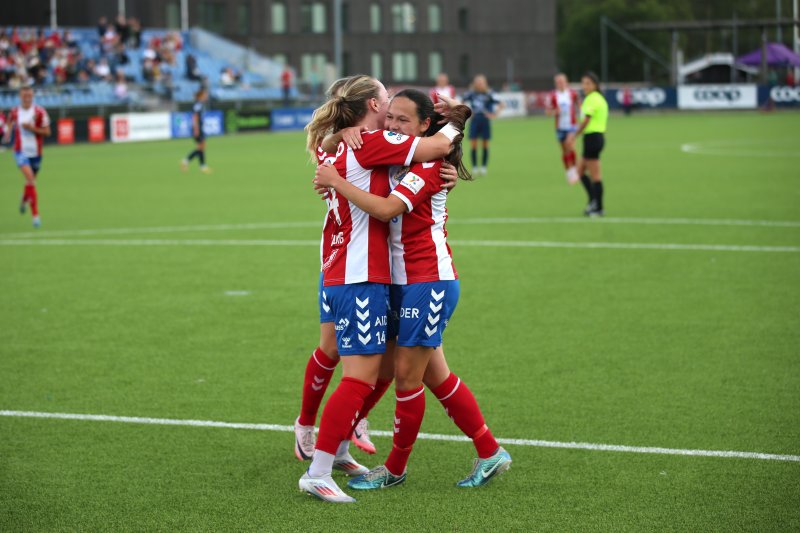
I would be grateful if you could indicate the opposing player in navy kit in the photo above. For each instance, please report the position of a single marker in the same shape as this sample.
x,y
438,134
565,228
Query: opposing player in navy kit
x,y
198,110
485,106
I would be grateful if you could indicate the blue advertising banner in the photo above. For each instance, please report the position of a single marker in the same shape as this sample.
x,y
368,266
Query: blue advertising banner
x,y
294,118
644,97
781,95
213,124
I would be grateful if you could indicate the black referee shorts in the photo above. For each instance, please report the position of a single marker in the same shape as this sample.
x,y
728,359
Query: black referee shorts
x,y
592,145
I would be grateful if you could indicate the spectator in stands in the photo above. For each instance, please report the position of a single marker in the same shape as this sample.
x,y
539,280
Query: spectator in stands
x,y
192,71
102,25
135,40
286,85
226,78
122,29
790,81
103,70
121,87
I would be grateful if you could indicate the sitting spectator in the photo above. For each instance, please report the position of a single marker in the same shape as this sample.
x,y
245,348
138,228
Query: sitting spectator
x,y
135,40
102,70
122,29
102,25
121,88
226,78
192,71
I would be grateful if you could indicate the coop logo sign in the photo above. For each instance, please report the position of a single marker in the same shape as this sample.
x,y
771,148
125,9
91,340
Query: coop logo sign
x,y
717,97
645,97
784,95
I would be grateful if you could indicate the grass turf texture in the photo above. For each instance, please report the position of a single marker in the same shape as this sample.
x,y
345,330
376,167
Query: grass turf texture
x,y
670,348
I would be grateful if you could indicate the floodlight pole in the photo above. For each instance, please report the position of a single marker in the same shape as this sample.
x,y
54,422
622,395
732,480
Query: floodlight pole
x,y
337,36
779,30
184,15
764,55
121,7
604,49
735,46
53,14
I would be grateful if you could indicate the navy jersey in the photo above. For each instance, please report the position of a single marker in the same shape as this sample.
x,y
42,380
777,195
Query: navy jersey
x,y
481,103
199,108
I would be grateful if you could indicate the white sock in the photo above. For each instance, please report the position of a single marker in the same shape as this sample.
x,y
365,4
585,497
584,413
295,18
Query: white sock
x,y
321,465
344,447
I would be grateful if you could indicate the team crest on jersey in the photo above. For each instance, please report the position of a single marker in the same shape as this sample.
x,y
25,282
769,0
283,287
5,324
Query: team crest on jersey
x,y
394,137
413,182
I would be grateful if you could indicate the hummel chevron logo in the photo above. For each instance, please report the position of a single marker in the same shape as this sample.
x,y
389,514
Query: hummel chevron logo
x,y
430,331
363,327
437,296
326,307
362,303
435,308
363,339
319,379
396,425
362,316
433,319
317,387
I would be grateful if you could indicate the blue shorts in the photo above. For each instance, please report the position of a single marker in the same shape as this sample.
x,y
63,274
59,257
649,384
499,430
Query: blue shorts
x,y
561,135
421,311
22,160
325,314
480,128
359,316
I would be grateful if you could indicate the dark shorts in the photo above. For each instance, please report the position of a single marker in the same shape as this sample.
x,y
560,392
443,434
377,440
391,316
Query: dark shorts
x,y
200,138
480,127
592,145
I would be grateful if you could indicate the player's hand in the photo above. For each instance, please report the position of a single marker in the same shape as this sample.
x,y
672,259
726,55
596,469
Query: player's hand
x,y
326,176
444,103
352,136
27,126
449,174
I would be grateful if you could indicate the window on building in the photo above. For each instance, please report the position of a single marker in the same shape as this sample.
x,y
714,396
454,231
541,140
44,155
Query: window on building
x,y
375,18
463,67
434,18
278,17
243,19
173,14
404,66
314,17
404,17
376,65
463,19
312,63
434,64
212,16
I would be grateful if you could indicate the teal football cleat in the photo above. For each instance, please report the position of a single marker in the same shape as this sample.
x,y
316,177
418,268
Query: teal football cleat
x,y
377,478
485,469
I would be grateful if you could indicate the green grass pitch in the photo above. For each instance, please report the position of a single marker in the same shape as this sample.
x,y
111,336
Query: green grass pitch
x,y
691,345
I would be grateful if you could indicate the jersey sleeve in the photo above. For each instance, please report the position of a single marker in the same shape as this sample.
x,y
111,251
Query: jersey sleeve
x,y
420,183
385,147
589,107
44,118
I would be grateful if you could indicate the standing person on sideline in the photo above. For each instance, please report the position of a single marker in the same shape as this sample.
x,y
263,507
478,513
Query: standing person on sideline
x,y
356,273
30,124
442,87
198,110
286,85
485,106
565,106
627,100
424,293
593,128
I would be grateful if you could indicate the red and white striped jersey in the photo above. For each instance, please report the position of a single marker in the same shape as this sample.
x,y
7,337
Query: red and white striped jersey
x,y
355,246
26,142
419,238
566,102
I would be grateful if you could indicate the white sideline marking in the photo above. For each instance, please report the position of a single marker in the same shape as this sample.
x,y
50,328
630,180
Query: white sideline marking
x,y
741,148
237,293
490,244
477,221
424,436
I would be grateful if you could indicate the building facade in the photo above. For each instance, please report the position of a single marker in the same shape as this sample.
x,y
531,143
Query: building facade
x,y
400,42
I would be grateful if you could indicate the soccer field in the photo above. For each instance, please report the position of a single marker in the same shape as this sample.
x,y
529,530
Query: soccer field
x,y
655,337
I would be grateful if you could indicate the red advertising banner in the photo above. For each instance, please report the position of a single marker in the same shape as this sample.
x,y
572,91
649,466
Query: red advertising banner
x,y
66,131
97,129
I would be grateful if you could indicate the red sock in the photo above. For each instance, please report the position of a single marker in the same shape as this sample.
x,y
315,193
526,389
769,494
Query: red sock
x,y
408,414
461,406
571,158
373,398
340,413
565,159
319,370
31,194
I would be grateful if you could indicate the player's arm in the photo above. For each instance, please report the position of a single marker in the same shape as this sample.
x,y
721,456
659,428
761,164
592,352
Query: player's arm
x,y
12,121
497,109
38,130
195,125
383,209
583,124
350,136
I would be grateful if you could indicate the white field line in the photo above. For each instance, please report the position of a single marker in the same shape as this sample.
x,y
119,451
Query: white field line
x,y
455,221
460,243
423,436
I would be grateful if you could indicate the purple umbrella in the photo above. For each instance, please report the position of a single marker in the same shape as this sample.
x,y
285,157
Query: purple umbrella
x,y
777,56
